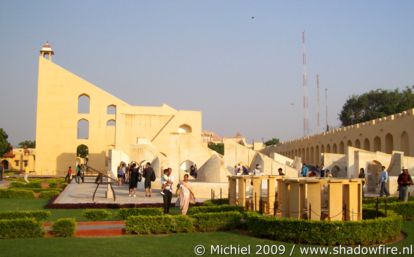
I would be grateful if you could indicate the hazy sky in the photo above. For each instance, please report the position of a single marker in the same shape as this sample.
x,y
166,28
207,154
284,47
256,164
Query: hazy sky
x,y
244,74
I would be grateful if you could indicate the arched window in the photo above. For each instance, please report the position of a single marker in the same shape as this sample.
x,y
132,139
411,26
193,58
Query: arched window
x,y
312,155
83,129
367,145
184,129
111,123
377,144
317,155
83,103
111,109
334,148
357,143
389,143
328,148
341,147
405,143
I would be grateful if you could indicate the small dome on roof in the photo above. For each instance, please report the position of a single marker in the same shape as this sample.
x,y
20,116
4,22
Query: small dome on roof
x,y
47,49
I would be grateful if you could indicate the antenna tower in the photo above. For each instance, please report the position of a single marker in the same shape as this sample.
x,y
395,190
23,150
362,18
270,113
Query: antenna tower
x,y
326,109
318,122
305,89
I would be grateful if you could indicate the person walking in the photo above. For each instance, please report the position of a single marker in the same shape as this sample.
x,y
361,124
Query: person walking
x,y
149,176
121,174
383,182
68,177
133,180
404,181
167,182
362,176
26,174
186,195
78,173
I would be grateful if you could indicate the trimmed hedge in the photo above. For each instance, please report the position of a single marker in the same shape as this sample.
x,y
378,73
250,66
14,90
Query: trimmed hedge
x,y
20,228
215,208
17,193
127,212
215,221
363,232
159,224
32,184
37,215
64,227
216,202
370,201
96,214
47,194
404,209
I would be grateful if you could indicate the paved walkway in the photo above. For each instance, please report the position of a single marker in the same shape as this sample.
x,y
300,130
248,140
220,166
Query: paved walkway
x,y
82,193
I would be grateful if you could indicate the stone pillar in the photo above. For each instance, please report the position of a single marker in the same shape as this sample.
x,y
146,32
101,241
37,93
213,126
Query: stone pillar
x,y
335,200
314,200
271,184
232,190
284,200
295,199
241,181
352,199
257,189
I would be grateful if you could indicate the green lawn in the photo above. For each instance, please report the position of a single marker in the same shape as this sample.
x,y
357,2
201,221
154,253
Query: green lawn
x,y
133,245
152,246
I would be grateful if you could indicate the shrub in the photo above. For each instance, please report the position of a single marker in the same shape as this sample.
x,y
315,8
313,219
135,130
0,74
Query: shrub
x,y
52,185
32,184
17,193
215,221
404,209
159,224
363,232
216,202
20,228
64,227
37,215
125,213
215,208
47,194
97,214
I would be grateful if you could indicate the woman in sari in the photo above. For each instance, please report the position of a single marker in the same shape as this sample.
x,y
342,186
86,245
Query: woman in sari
x,y
186,195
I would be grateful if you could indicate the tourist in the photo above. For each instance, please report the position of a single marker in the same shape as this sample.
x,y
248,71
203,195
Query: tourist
x,y
149,176
167,182
78,173
322,173
68,177
26,174
120,173
193,171
257,170
83,171
328,173
238,169
304,171
186,195
280,171
133,180
362,176
245,170
404,181
383,182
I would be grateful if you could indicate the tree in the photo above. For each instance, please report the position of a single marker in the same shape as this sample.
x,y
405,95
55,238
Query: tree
x,y
219,147
273,141
4,144
82,151
28,144
376,104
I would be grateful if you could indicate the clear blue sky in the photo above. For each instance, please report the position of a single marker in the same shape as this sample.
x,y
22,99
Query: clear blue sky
x,y
244,74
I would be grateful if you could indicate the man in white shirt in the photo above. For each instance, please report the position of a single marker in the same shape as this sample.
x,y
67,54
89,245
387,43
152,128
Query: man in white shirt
x,y
167,182
383,182
257,170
